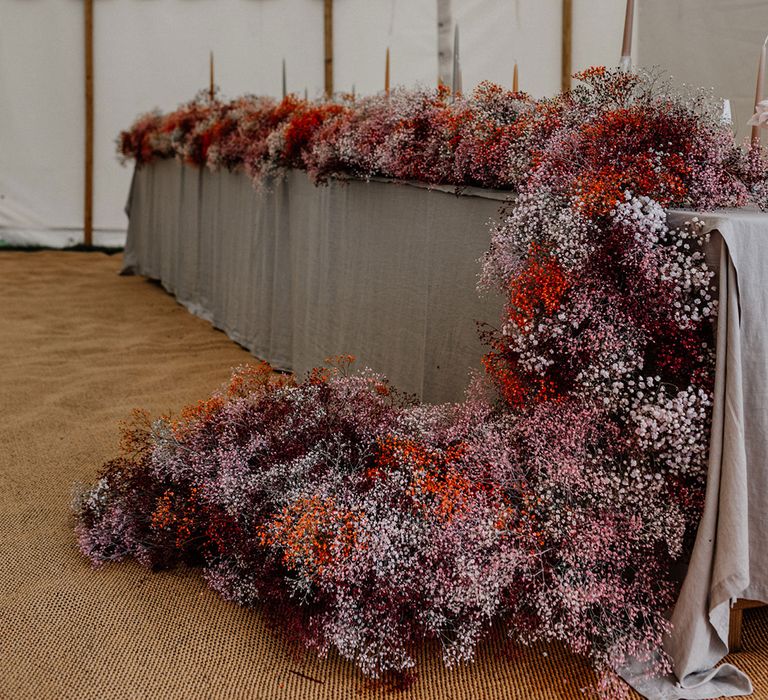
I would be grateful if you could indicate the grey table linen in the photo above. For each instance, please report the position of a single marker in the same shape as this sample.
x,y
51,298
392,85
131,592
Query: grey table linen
x,y
387,272
297,273
730,556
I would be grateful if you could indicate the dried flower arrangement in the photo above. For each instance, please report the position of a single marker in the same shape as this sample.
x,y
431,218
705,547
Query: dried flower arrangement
x,y
557,497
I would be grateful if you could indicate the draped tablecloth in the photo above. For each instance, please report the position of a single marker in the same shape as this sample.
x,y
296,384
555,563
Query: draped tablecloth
x,y
297,273
730,555
387,272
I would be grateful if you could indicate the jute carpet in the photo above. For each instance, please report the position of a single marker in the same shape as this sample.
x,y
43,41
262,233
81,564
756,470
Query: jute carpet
x,y
80,347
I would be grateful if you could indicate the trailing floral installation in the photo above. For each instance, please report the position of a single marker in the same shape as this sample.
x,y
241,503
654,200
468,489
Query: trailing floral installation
x,y
492,138
558,496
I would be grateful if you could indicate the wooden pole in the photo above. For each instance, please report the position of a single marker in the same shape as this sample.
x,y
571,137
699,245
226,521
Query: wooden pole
x,y
328,32
88,201
567,46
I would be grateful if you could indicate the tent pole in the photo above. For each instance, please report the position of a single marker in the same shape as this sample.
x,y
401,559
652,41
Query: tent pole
x,y
88,202
565,70
328,42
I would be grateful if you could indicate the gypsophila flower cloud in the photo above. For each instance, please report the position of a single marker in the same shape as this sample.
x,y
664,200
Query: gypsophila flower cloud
x,y
558,496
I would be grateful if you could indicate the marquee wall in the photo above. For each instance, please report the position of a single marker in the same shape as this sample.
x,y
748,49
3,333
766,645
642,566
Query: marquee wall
x,y
155,53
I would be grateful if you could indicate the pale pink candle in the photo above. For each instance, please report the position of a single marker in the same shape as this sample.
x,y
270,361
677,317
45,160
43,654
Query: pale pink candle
x,y
212,88
456,78
759,91
386,74
626,45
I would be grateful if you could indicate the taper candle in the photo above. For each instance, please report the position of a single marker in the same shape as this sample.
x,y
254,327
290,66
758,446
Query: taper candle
x,y
726,116
211,89
759,90
515,83
386,74
455,78
626,45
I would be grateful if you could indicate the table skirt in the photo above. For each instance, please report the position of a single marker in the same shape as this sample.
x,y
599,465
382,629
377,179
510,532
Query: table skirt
x,y
298,273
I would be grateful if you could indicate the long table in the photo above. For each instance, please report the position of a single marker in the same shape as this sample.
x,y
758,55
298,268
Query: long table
x,y
297,273
387,272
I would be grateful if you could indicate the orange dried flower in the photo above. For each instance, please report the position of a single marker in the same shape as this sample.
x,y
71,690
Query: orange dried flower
x,y
538,288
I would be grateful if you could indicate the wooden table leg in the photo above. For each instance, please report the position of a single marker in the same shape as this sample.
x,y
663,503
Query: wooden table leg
x,y
737,620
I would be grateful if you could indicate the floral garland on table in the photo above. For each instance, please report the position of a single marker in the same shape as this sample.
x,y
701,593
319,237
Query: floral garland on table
x,y
560,493
614,131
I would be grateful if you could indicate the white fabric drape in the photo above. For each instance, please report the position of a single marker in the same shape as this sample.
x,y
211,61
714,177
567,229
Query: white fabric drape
x,y
154,53
708,43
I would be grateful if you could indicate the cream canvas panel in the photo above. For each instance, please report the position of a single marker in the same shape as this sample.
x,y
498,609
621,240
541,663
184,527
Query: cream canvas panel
x,y
154,53
712,43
